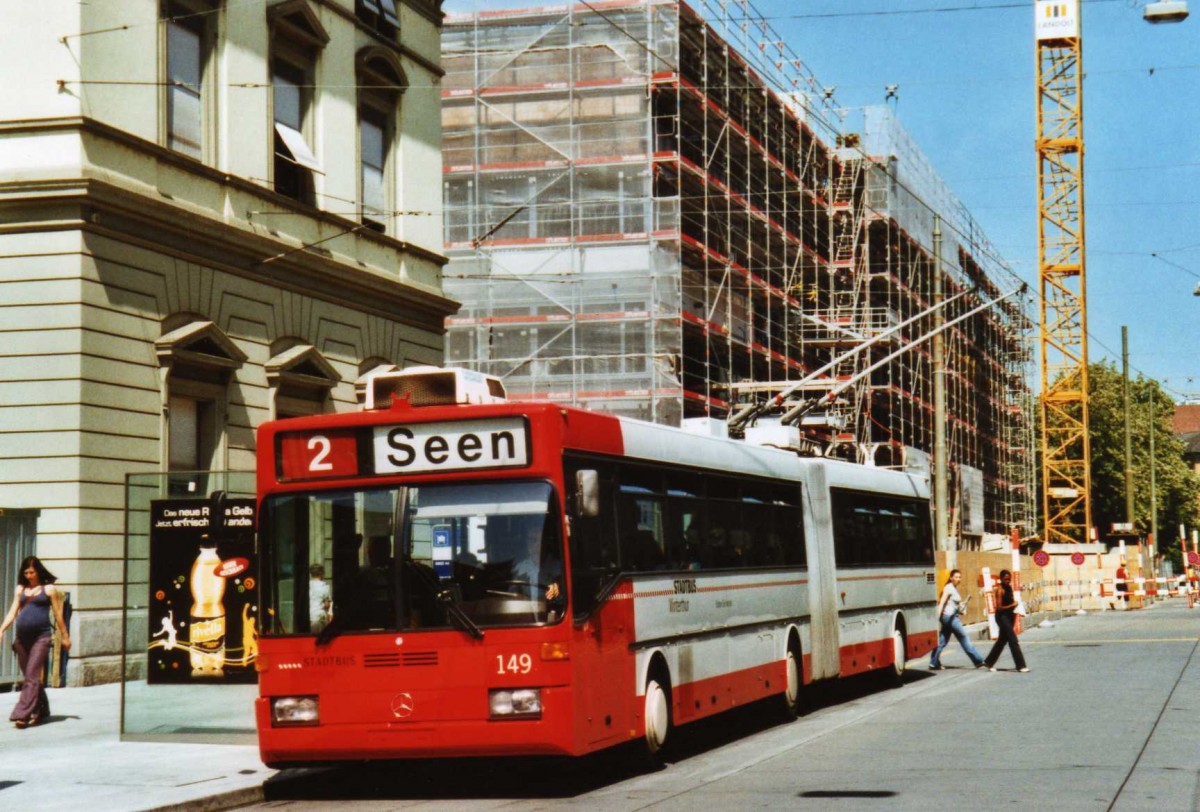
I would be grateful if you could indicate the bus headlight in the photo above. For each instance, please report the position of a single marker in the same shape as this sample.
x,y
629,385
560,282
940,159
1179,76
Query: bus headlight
x,y
290,711
509,703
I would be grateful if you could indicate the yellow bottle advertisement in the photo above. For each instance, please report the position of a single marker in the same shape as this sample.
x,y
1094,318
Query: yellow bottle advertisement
x,y
207,636
203,607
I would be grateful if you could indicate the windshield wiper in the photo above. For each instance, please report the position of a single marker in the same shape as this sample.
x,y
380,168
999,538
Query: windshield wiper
x,y
455,611
446,598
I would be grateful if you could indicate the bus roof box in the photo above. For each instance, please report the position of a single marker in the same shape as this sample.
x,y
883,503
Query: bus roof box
x,y
432,386
773,433
708,426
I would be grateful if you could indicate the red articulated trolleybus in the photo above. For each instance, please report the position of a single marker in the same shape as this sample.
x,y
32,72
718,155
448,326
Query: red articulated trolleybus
x,y
446,573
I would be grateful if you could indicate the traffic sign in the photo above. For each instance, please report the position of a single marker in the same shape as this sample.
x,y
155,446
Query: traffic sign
x,y
1041,558
1194,558
1077,559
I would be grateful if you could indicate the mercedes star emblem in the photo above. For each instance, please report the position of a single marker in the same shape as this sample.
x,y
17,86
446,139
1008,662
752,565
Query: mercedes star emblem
x,y
402,705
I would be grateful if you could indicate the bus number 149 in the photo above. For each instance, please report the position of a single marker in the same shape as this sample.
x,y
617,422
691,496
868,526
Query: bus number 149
x,y
516,664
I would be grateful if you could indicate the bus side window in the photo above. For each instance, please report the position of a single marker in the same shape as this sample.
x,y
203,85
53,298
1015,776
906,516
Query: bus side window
x,y
874,530
644,552
641,521
724,535
683,533
789,524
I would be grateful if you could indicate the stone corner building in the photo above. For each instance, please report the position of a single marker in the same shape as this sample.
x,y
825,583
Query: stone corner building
x,y
211,214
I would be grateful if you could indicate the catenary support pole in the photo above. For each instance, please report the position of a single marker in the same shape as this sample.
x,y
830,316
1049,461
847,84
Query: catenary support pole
x,y
1128,435
940,490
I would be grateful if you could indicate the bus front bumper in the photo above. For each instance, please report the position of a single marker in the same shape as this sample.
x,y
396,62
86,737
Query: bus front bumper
x,y
331,741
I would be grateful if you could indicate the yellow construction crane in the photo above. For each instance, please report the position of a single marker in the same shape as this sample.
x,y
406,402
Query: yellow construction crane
x,y
1066,449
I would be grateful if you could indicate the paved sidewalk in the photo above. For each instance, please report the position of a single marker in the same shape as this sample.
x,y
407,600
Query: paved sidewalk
x,y
76,760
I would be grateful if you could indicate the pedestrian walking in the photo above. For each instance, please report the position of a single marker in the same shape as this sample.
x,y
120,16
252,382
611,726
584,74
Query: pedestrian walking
x,y
1006,605
33,603
1122,585
950,608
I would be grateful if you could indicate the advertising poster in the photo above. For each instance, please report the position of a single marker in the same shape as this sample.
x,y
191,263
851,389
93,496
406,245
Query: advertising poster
x,y
203,591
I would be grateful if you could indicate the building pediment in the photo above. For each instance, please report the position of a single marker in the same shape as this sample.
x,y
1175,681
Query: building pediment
x,y
200,344
298,21
301,366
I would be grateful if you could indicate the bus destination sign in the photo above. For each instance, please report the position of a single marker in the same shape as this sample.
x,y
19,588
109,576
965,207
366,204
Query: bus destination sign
x,y
451,446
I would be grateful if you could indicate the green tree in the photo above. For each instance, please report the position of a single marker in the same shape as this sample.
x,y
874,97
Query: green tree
x,y
1177,487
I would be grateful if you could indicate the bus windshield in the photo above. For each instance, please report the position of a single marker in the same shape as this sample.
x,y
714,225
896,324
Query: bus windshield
x,y
468,556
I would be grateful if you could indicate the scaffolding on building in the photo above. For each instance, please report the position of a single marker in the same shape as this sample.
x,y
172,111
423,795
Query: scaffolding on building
x,y
657,211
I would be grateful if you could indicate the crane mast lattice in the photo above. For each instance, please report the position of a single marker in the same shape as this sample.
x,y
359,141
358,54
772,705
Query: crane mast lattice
x,y
1066,450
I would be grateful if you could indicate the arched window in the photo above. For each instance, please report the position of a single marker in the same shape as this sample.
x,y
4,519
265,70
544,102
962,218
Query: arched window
x,y
380,85
300,379
196,360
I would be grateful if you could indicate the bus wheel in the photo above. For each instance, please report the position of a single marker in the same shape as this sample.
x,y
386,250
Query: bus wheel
x,y
791,704
895,674
657,713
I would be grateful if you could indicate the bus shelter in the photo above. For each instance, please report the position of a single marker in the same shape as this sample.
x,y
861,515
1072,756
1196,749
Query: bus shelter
x,y
190,627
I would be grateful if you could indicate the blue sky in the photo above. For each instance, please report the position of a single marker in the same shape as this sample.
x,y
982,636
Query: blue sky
x,y
966,95
965,70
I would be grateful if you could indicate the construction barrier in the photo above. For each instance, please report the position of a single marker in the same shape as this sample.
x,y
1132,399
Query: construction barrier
x,y
1064,586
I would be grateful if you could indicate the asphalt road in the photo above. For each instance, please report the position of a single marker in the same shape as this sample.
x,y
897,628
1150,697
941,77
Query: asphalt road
x,y
1109,718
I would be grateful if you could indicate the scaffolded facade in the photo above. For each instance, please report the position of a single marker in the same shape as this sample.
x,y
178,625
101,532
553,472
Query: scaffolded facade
x,y
657,215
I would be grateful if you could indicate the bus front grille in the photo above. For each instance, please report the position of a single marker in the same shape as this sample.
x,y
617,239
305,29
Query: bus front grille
x,y
391,659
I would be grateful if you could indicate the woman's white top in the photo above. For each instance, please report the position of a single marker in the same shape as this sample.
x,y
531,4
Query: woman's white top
x,y
953,601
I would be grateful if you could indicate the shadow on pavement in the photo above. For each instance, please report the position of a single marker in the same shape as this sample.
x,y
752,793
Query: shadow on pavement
x,y
469,778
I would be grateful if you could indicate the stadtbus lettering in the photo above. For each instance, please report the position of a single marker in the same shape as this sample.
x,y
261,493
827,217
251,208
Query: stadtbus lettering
x,y
417,447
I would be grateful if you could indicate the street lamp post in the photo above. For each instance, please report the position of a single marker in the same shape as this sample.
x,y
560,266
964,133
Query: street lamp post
x,y
1153,497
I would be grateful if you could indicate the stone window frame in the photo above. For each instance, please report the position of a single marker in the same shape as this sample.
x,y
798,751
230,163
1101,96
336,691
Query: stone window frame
x,y
300,379
196,360
297,40
203,18
381,84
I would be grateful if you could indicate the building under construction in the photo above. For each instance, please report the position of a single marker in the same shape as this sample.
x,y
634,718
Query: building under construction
x,y
654,209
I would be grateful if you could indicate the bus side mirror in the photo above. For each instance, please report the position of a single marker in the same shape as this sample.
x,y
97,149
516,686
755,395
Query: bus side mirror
x,y
587,493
